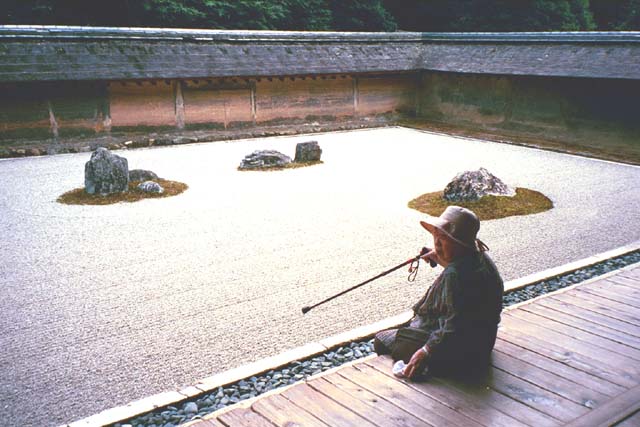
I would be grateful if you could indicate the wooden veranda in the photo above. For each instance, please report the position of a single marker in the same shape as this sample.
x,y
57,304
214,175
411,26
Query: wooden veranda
x,y
570,358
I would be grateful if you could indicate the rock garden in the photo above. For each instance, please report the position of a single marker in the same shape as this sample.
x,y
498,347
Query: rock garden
x,y
108,180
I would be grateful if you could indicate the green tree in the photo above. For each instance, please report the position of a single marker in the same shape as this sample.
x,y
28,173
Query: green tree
x,y
616,15
491,15
361,15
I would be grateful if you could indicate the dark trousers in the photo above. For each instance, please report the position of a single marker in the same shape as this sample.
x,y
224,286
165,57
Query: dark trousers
x,y
462,353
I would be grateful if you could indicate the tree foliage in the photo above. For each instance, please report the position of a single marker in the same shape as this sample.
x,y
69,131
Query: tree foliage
x,y
492,15
616,15
356,15
341,15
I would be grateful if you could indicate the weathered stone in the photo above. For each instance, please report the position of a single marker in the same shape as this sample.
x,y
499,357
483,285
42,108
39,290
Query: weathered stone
x,y
191,408
163,141
308,152
265,159
141,175
473,185
184,140
106,173
151,187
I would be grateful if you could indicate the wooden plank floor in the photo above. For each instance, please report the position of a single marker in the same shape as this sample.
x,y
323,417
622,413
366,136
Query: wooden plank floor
x,y
570,358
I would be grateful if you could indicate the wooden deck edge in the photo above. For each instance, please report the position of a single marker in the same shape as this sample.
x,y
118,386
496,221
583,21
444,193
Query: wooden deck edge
x,y
611,412
571,287
249,402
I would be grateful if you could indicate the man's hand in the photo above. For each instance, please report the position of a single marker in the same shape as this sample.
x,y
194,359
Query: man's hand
x,y
416,364
430,256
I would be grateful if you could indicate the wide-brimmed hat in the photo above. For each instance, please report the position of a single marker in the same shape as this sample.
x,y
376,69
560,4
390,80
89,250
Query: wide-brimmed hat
x,y
459,224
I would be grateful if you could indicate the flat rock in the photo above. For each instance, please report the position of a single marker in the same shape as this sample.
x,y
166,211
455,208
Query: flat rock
x,y
265,159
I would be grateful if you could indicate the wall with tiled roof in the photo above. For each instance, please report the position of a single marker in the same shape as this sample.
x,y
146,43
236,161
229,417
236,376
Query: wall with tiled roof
x,y
83,53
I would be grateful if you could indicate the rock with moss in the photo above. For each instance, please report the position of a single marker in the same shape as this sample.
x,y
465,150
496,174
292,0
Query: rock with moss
x,y
106,173
473,185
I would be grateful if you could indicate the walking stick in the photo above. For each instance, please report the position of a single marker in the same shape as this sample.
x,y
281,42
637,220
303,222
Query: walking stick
x,y
412,275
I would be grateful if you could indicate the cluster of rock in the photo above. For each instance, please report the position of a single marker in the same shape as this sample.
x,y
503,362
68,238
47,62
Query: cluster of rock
x,y
264,159
107,173
473,185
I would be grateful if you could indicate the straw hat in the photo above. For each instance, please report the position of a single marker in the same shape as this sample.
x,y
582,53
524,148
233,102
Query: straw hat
x,y
459,224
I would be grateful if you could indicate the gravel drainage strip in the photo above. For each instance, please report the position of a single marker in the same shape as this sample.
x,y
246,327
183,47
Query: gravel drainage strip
x,y
198,407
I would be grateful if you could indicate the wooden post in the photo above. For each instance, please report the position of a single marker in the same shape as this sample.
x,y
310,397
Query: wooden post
x,y
356,95
253,102
52,120
179,105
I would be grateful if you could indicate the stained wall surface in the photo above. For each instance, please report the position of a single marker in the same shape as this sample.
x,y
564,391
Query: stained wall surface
x,y
591,111
142,104
58,109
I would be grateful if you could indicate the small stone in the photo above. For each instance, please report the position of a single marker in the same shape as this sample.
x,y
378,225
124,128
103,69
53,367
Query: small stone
x,y
190,408
184,140
150,187
141,175
161,141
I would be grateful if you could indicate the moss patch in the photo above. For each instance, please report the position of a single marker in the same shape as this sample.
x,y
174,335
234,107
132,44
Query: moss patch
x,y
292,165
80,197
525,202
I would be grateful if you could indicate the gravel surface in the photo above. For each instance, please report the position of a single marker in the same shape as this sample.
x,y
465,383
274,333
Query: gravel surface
x,y
158,294
248,388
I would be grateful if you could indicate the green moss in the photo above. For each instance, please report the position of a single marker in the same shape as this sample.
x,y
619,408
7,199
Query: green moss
x,y
525,202
80,197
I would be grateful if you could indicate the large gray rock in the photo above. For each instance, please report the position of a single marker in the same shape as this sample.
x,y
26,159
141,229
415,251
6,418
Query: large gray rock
x,y
472,185
106,173
136,175
308,152
265,159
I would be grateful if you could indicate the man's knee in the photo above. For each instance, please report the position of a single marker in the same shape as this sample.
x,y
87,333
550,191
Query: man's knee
x,y
383,341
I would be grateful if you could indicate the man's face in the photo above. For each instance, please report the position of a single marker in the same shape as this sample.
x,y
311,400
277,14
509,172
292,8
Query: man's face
x,y
446,248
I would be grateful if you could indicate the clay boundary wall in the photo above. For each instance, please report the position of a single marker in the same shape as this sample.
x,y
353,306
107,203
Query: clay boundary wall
x,y
60,84
71,109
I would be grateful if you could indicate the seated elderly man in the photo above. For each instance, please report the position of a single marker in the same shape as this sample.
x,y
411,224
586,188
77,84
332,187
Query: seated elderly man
x,y
454,326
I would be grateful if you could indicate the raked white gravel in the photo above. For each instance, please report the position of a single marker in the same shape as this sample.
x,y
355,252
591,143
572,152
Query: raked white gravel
x,y
103,305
